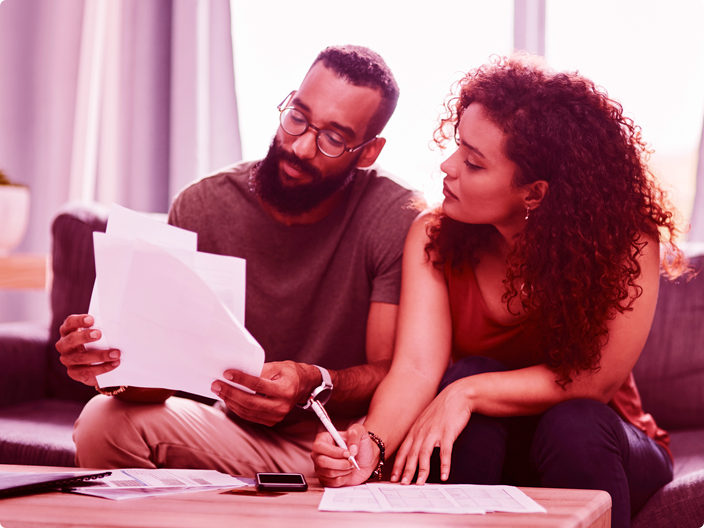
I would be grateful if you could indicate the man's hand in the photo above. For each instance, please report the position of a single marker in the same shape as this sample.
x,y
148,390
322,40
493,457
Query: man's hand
x,y
84,365
282,385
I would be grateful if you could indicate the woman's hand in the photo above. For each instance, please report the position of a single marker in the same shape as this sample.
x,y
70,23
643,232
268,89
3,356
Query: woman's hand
x,y
331,461
438,426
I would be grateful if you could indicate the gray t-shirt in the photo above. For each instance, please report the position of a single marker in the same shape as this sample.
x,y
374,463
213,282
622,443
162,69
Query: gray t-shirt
x,y
308,286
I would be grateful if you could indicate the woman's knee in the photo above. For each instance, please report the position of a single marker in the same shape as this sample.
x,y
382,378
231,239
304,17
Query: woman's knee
x,y
579,429
470,366
575,416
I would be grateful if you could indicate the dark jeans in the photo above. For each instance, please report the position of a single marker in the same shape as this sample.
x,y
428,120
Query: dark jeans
x,y
579,444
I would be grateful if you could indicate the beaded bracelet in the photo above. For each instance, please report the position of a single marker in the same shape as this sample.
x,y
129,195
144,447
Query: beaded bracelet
x,y
376,474
115,392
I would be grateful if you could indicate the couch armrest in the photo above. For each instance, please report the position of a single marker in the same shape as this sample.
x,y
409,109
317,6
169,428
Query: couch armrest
x,y
23,362
670,371
74,274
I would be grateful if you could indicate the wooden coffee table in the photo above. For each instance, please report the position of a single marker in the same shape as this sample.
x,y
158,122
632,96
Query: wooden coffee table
x,y
213,509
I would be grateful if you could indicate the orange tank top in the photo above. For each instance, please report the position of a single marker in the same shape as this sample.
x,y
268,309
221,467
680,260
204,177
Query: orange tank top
x,y
476,333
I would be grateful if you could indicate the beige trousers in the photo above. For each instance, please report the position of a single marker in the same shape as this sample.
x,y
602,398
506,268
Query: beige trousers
x,y
181,433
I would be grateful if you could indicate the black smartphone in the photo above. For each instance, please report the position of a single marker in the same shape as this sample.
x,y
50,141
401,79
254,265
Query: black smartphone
x,y
281,482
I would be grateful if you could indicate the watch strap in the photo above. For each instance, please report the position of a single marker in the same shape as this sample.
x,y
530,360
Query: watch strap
x,y
324,388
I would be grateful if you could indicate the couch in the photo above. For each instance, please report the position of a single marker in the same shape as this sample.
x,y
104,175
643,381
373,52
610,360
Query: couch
x,y
39,402
670,379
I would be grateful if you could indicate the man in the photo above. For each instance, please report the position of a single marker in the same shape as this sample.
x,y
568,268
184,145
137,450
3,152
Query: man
x,y
323,241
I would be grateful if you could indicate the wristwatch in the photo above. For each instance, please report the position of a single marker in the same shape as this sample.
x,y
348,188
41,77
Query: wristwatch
x,y
321,393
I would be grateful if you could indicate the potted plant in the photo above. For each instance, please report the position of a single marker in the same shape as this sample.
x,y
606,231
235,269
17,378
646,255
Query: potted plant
x,y
14,213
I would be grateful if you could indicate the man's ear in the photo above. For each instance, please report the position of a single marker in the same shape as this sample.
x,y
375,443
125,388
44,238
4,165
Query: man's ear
x,y
370,153
536,191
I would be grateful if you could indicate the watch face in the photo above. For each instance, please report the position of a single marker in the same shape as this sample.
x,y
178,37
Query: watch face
x,y
322,394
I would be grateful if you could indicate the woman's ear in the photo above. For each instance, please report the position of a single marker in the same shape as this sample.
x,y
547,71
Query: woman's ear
x,y
536,192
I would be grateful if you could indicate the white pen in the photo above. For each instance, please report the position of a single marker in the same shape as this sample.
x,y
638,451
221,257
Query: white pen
x,y
323,415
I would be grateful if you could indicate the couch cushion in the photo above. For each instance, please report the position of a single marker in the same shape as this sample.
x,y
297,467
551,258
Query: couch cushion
x,y
688,450
670,371
74,275
39,433
679,504
23,360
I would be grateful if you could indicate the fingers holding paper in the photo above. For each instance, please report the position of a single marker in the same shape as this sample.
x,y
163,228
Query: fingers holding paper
x,y
332,463
281,385
82,364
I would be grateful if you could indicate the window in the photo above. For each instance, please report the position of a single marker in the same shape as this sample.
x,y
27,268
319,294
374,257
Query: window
x,y
649,55
424,44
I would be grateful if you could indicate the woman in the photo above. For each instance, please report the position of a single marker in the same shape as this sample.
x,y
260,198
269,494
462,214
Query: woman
x,y
537,280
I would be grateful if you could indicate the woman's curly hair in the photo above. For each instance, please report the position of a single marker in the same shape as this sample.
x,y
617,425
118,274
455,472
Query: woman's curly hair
x,y
575,264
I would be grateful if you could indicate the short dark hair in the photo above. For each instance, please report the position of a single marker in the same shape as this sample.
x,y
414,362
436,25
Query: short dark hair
x,y
361,66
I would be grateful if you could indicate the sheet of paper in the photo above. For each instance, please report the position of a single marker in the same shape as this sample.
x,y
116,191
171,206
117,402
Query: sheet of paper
x,y
225,276
175,314
430,498
493,498
353,498
127,224
411,498
166,478
135,493
136,483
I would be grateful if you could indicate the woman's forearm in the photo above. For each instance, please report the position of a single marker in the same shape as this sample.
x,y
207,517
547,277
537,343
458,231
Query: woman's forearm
x,y
532,390
398,401
422,348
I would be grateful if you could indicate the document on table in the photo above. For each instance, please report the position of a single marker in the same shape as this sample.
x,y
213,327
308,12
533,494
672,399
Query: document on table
x,y
426,498
493,498
135,483
352,499
429,498
176,314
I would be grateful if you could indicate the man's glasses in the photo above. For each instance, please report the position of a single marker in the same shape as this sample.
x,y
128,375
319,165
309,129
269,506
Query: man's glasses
x,y
329,142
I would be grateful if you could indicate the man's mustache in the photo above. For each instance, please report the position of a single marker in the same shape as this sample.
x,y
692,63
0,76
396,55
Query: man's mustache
x,y
301,165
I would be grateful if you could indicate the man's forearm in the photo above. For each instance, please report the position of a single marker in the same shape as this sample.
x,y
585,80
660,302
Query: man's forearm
x,y
355,386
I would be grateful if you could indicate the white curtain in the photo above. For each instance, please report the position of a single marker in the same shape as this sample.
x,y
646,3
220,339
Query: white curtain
x,y
156,96
529,26
697,232
120,101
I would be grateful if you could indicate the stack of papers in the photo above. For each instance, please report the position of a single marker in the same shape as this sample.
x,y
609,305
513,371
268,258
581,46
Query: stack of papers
x,y
135,483
176,314
429,498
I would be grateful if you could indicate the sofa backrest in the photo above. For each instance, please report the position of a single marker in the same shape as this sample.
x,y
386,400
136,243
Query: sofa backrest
x,y
74,275
670,371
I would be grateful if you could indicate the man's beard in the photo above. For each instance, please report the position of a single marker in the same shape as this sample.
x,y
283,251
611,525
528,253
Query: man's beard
x,y
266,182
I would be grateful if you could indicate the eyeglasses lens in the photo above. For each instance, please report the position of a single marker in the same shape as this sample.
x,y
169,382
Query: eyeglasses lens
x,y
331,143
295,123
